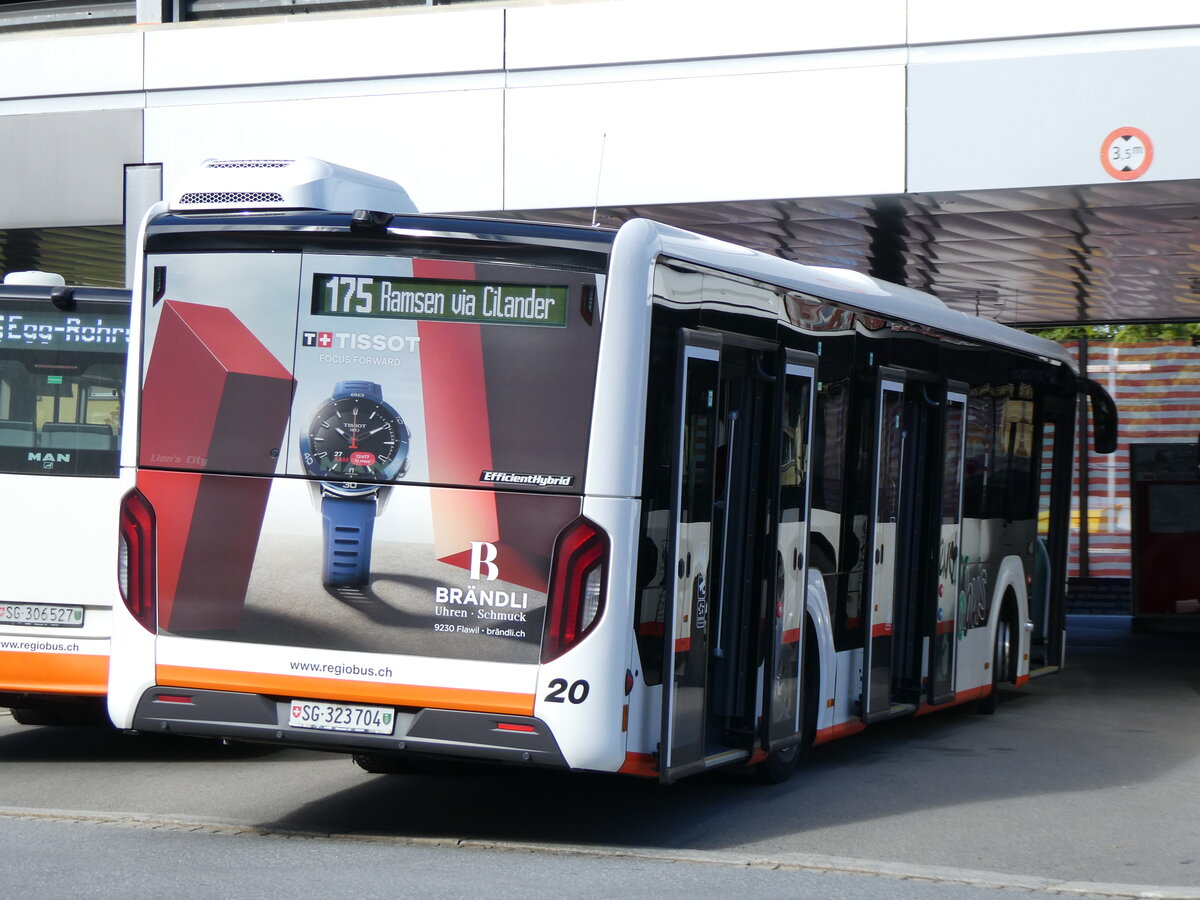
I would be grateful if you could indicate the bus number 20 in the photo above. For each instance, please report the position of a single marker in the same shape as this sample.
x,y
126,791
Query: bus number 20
x,y
576,692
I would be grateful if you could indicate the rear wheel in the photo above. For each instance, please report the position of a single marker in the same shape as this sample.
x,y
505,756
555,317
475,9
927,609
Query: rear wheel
x,y
382,764
25,716
82,714
778,766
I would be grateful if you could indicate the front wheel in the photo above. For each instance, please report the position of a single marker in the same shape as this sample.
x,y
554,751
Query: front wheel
x,y
1002,655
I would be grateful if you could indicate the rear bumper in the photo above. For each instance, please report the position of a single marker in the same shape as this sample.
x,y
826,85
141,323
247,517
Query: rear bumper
x,y
429,732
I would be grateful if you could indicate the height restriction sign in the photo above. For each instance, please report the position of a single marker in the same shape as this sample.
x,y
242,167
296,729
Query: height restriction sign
x,y
1127,153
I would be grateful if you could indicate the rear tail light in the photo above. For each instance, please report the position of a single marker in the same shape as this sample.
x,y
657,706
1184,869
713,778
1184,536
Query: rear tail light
x,y
136,559
578,576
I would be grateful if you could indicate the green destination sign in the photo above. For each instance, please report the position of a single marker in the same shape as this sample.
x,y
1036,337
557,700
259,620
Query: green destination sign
x,y
478,302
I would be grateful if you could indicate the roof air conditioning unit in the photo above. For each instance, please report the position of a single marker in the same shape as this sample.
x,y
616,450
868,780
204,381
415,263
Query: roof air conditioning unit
x,y
303,183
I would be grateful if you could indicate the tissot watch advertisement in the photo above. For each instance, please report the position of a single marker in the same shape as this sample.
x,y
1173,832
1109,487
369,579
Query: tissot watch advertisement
x,y
369,454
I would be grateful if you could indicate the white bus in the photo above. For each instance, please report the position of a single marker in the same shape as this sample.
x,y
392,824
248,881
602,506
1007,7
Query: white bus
x,y
639,501
63,354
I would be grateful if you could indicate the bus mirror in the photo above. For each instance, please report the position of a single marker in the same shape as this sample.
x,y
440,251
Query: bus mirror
x,y
63,298
1104,418
370,221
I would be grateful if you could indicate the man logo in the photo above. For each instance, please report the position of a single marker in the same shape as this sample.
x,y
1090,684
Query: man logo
x,y
47,458
483,557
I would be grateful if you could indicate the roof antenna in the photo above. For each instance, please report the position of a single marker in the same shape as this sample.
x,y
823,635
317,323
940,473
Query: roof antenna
x,y
599,175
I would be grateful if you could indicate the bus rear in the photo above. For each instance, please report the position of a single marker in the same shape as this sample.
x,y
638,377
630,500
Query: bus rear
x,y
359,521
62,382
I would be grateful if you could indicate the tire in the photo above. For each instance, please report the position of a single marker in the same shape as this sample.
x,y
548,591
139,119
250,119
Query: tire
x,y
27,716
379,764
1002,654
778,766
82,715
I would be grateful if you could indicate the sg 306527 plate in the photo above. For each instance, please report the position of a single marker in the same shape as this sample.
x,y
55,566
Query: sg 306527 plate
x,y
43,614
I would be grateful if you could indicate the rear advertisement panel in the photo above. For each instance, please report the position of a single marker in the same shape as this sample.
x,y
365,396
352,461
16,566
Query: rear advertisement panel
x,y
363,454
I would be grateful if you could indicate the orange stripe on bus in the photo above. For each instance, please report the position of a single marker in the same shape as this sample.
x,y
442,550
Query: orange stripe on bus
x,y
845,729
54,673
791,635
832,733
960,697
884,629
421,696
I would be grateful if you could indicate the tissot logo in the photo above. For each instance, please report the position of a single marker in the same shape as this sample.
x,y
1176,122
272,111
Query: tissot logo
x,y
349,340
317,339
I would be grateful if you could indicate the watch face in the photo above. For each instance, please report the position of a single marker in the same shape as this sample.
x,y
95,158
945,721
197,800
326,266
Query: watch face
x,y
355,438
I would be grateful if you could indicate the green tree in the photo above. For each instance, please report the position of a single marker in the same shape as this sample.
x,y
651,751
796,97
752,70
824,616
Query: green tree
x,y
1121,334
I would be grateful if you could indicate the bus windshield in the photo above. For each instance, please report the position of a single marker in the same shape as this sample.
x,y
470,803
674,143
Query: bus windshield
x,y
61,384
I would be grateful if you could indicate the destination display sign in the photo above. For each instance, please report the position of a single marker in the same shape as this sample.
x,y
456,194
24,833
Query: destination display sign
x,y
476,302
105,333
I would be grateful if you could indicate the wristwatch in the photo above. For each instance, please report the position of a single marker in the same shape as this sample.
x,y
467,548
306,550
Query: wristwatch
x,y
354,441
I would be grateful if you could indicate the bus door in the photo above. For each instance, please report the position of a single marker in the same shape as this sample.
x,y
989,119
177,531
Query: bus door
x,y
725,485
942,656
889,499
686,620
785,650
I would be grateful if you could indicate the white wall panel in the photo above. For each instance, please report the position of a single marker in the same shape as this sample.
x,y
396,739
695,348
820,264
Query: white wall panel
x,y
444,148
797,134
66,168
582,34
70,64
299,49
935,21
1041,120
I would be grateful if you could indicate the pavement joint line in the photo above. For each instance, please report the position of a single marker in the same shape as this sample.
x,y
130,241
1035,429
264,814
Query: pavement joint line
x,y
808,862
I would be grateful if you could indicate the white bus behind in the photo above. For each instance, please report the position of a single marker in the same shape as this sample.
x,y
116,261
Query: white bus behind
x,y
63,357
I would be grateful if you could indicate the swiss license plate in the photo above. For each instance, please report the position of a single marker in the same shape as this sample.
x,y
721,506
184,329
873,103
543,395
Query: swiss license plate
x,y
341,717
44,614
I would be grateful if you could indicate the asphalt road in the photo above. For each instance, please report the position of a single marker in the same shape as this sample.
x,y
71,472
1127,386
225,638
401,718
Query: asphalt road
x,y
1084,783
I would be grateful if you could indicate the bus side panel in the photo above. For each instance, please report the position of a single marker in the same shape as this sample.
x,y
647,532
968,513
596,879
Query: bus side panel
x,y
75,516
131,666
581,695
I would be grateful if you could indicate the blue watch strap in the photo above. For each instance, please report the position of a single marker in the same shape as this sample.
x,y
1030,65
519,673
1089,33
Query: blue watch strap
x,y
348,523
368,389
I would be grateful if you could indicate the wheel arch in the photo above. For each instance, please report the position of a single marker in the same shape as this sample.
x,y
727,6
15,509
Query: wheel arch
x,y
821,629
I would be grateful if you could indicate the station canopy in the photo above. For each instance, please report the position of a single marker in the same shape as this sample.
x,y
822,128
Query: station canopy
x,y
1106,253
